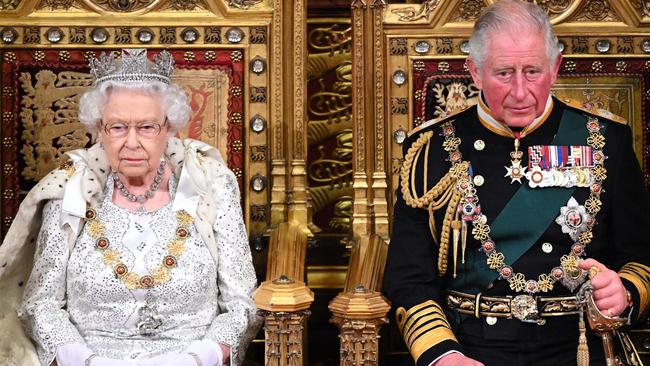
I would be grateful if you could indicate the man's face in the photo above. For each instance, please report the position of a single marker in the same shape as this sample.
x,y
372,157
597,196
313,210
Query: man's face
x,y
516,77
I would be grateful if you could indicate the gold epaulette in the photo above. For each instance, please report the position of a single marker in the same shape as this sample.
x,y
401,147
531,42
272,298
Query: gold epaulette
x,y
639,275
435,121
423,326
593,110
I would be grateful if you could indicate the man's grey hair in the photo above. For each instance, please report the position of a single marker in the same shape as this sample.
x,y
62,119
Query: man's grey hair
x,y
172,98
511,15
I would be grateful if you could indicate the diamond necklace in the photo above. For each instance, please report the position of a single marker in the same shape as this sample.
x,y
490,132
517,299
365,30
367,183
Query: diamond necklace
x,y
148,194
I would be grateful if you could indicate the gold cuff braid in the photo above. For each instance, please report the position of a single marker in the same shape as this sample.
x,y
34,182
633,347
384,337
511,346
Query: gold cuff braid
x,y
639,275
423,326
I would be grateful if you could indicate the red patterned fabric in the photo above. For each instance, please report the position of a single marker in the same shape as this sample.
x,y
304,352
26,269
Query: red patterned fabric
x,y
57,77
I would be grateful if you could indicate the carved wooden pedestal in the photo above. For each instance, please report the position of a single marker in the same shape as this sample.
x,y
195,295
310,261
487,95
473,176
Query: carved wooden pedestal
x,y
359,315
283,333
284,304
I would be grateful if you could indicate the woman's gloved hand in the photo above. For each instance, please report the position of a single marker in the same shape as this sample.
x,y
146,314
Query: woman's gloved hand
x,y
78,354
198,353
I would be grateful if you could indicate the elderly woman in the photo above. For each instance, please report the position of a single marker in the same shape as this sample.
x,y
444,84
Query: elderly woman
x,y
141,256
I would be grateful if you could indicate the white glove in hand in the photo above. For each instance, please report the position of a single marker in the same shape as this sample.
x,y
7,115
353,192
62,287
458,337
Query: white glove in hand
x,y
103,361
198,353
207,351
72,354
76,354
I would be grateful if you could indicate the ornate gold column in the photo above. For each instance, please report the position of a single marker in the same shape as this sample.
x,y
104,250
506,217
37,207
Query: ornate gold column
x,y
283,299
379,178
289,195
298,196
278,152
361,215
360,311
370,211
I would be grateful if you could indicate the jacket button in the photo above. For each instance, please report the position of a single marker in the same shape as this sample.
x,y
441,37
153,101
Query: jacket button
x,y
547,247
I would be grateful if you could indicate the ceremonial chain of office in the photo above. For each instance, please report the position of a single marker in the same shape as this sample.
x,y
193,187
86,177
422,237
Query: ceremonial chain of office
x,y
456,190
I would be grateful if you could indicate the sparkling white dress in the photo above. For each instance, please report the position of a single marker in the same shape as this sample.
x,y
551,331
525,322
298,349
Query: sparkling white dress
x,y
72,296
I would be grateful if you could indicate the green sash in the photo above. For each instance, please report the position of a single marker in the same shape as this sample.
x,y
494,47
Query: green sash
x,y
524,218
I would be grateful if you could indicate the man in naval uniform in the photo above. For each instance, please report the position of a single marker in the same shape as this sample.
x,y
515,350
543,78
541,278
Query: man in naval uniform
x,y
505,209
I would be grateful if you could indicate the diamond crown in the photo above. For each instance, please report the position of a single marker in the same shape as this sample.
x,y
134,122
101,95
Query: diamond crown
x,y
132,67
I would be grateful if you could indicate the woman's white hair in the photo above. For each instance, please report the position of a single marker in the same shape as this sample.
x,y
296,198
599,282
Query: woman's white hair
x,y
172,97
511,15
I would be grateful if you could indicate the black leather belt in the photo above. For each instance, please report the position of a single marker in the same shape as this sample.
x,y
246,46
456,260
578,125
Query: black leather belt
x,y
523,307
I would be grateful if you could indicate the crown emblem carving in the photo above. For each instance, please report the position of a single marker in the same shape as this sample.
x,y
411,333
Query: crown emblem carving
x,y
132,67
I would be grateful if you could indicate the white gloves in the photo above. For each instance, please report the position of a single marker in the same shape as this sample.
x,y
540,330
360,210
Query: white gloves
x,y
72,354
78,354
103,361
207,351
198,353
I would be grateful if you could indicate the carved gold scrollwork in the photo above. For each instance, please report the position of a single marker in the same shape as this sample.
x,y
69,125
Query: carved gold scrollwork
x,y
342,219
9,4
554,6
336,172
184,5
411,14
334,179
329,72
56,4
597,11
331,39
642,6
334,105
469,10
121,6
49,132
243,4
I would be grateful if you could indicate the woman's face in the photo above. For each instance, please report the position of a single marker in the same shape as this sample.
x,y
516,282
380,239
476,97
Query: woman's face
x,y
128,133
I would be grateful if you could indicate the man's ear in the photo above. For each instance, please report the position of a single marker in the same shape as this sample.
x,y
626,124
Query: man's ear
x,y
556,69
475,72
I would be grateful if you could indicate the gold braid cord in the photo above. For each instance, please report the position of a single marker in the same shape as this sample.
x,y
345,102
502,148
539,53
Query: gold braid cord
x,y
443,193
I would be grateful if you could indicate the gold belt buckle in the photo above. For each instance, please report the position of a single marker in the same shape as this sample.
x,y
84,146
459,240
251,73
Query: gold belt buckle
x,y
524,308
